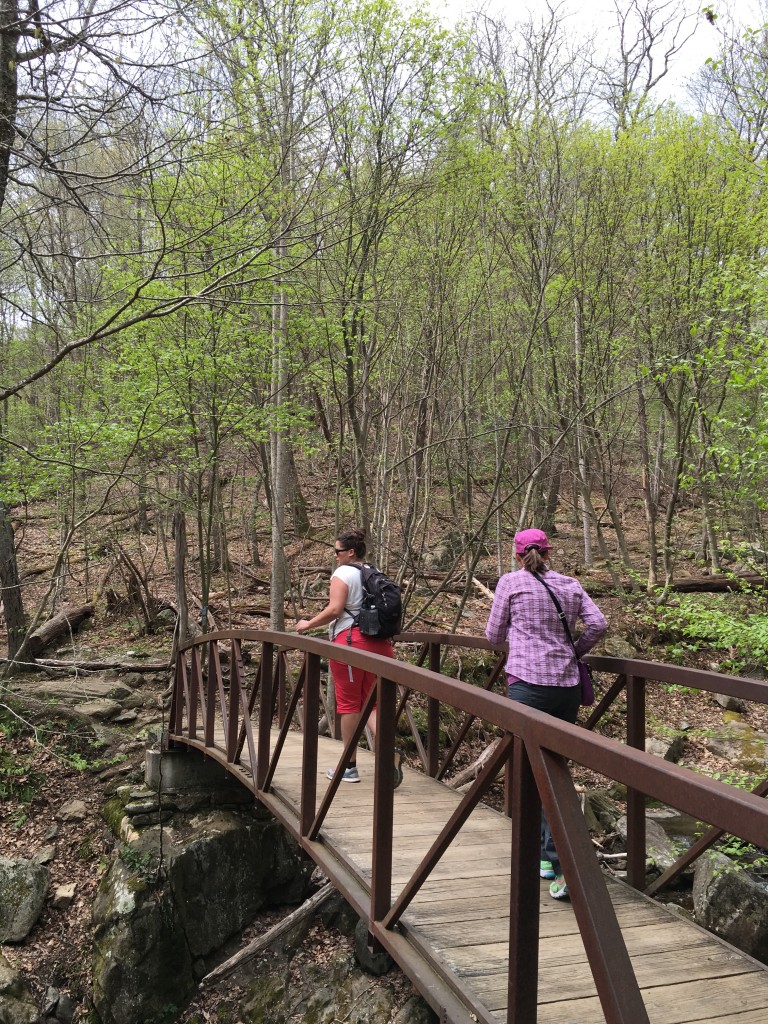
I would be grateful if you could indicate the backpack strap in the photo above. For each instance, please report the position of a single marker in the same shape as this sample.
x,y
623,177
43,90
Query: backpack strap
x,y
355,618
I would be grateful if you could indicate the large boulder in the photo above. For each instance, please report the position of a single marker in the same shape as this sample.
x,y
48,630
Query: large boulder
x,y
23,886
741,745
659,848
732,903
157,922
17,1004
615,647
90,688
337,990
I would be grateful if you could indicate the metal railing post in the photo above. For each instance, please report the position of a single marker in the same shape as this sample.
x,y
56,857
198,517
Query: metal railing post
x,y
234,708
265,712
383,801
210,701
524,898
635,799
433,719
282,697
309,754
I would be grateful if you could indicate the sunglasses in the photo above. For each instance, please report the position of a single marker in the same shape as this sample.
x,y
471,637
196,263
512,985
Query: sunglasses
x,y
340,551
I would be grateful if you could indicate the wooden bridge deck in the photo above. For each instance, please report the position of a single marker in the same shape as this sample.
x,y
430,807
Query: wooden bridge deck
x,y
459,922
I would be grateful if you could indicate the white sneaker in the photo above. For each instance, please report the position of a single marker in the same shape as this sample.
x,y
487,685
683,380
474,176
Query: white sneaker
x,y
350,774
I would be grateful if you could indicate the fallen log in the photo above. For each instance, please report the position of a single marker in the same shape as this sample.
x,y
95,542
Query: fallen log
x,y
470,773
259,944
65,622
718,584
102,666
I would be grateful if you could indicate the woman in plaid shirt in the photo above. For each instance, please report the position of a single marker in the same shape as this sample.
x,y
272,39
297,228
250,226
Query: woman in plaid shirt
x,y
541,667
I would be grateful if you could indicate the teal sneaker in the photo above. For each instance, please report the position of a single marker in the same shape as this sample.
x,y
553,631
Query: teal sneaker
x,y
399,767
546,870
559,890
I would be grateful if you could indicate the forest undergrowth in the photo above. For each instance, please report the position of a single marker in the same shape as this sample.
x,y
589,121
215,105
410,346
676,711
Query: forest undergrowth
x,y
46,761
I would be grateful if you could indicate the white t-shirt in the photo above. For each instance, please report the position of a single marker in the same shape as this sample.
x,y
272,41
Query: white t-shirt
x,y
353,578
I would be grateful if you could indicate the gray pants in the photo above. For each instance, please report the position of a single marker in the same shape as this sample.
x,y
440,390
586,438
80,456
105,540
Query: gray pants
x,y
561,702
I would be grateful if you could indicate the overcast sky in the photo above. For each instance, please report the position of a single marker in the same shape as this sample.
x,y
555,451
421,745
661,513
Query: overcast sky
x,y
599,15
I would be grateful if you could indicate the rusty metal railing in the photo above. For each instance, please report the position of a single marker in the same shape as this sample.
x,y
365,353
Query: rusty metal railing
x,y
534,748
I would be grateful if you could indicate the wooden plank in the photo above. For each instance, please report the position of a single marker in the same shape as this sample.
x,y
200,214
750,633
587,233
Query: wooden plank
x,y
724,1000
483,938
658,958
460,916
568,978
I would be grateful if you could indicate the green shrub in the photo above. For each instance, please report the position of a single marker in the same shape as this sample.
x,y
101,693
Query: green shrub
x,y
717,622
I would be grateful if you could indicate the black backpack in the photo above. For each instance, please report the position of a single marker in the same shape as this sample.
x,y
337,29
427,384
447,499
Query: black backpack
x,y
381,613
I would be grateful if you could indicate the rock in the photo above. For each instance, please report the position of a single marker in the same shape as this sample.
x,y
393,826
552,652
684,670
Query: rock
x,y
72,810
50,1002
101,709
142,807
104,735
17,1004
132,679
63,896
378,962
125,717
754,672
730,902
23,887
65,1009
58,1007
115,771
136,700
740,744
154,817
166,617
729,703
336,991
416,1011
153,936
601,812
336,913
92,688
615,647
676,824
668,748
44,855
659,847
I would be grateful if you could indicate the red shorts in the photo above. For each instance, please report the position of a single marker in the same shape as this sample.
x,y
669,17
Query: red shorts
x,y
352,693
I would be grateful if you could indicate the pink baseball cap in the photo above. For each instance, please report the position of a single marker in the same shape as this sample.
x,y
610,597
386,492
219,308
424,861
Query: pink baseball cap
x,y
529,539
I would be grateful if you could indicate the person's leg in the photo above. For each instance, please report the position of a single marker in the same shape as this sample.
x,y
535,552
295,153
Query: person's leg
x,y
385,649
352,687
348,704
561,702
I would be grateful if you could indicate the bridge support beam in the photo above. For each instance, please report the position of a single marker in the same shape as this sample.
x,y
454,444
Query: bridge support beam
x,y
187,773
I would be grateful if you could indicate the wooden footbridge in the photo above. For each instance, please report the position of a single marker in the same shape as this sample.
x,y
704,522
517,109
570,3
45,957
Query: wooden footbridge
x,y
450,887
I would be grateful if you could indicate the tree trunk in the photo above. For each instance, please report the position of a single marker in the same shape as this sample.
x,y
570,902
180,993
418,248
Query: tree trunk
x,y
9,38
10,589
180,559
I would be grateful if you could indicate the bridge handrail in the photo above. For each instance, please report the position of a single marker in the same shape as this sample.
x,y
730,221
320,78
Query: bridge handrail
x,y
534,747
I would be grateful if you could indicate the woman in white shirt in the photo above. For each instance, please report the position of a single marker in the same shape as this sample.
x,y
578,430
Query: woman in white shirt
x,y
352,685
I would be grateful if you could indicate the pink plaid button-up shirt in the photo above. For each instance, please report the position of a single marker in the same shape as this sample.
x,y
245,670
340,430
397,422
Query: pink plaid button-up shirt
x,y
524,614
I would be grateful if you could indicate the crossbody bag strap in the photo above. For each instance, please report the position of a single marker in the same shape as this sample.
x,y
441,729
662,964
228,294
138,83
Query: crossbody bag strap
x,y
560,612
